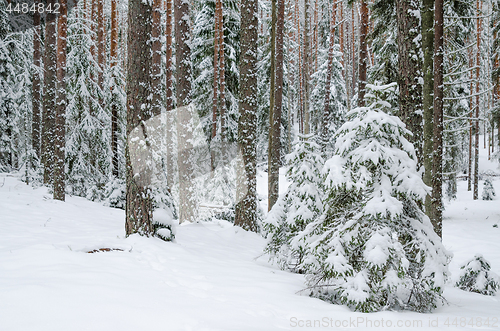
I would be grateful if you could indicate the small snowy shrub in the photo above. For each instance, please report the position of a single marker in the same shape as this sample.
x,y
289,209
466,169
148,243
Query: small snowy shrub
x,y
374,248
164,214
219,191
115,193
301,204
477,277
488,190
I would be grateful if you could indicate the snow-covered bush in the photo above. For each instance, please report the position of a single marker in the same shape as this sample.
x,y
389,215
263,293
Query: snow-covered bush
x,y
477,277
299,206
115,193
164,214
219,191
488,190
374,248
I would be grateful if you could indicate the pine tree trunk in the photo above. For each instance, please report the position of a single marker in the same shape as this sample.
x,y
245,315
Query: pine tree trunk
x,y
215,97
156,74
187,199
409,71
291,73
169,95
271,177
306,74
427,100
101,48
437,169
246,206
353,51
222,82
49,97
363,53
275,116
93,20
316,41
471,92
326,108
114,106
37,84
341,37
138,209
301,72
60,117
476,125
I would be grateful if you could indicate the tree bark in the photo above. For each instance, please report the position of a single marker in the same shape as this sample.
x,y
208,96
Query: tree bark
x,y
275,116
215,97
114,106
476,125
101,48
301,71
139,208
471,91
60,117
222,81
306,64
427,100
271,177
246,206
37,84
156,74
169,93
437,169
363,53
187,199
49,97
409,71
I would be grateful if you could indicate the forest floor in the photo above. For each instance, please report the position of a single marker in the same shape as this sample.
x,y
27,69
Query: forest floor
x,y
213,277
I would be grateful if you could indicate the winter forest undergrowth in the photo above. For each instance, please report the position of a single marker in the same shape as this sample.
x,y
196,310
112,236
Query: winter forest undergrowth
x,y
214,277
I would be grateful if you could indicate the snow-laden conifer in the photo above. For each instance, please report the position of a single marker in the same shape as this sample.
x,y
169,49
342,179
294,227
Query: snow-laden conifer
x,y
202,56
299,206
488,190
374,248
475,276
88,161
15,95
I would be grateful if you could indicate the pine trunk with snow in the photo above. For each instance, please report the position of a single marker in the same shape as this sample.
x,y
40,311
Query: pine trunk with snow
x,y
246,196
139,205
185,112
410,70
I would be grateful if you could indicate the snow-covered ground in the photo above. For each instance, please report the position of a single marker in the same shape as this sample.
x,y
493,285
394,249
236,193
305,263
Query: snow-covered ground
x,y
212,278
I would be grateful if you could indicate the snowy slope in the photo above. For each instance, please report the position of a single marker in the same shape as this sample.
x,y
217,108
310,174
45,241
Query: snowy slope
x,y
212,278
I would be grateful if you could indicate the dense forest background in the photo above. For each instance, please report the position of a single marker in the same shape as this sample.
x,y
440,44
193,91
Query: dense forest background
x,y
63,101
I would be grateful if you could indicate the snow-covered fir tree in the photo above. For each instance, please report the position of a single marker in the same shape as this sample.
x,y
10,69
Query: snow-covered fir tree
x,y
476,276
202,56
374,248
488,190
300,205
338,97
88,156
15,95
